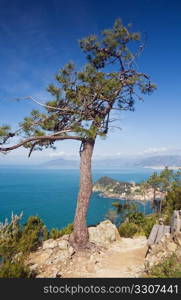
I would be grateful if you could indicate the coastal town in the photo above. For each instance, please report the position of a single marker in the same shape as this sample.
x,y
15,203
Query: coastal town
x,y
110,188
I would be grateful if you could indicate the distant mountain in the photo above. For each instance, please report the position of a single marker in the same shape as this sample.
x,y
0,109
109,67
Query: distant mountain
x,y
160,161
61,163
118,163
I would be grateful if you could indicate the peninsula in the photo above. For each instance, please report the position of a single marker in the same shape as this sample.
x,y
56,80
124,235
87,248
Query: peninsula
x,y
111,188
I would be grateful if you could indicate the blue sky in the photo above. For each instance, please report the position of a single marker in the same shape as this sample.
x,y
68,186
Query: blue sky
x,y
38,37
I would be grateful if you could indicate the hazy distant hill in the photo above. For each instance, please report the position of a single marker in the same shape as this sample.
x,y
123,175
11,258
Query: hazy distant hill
x,y
61,163
162,160
153,161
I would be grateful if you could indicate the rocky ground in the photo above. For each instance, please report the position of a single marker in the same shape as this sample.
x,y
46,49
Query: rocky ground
x,y
115,256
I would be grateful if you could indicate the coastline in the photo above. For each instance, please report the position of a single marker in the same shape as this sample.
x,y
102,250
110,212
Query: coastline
x,y
129,191
105,194
161,167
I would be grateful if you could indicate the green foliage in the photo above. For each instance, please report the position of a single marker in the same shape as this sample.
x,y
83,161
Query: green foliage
x,y
148,225
15,269
34,232
55,233
4,133
173,200
10,233
88,94
143,223
16,241
4,130
128,230
154,180
137,218
170,267
15,238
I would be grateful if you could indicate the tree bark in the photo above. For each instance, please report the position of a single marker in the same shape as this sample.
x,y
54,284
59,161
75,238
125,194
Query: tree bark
x,y
79,238
154,199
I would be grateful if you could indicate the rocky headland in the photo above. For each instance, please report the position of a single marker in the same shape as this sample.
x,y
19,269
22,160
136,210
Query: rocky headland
x,y
110,188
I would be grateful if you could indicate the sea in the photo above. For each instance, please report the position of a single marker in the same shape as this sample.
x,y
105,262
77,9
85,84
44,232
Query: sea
x,y
51,194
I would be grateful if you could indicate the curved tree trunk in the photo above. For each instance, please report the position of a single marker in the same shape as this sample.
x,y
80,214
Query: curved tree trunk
x,y
79,237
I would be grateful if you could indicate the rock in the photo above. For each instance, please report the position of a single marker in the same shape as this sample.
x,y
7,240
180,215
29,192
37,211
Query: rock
x,y
71,250
63,245
171,247
50,244
177,238
104,233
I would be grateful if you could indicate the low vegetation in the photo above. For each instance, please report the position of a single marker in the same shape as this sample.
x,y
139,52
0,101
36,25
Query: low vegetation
x,y
170,267
55,233
137,224
17,241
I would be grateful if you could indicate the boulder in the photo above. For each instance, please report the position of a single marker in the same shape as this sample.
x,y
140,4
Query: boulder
x,y
104,233
50,244
63,244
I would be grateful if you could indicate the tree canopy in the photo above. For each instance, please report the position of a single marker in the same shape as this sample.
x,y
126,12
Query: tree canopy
x,y
83,100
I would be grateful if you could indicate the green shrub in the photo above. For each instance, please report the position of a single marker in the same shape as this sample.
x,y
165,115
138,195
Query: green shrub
x,y
15,238
10,234
16,269
148,225
144,223
173,200
33,234
55,233
128,229
137,218
170,267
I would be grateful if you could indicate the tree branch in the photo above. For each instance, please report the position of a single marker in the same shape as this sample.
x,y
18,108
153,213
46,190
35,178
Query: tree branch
x,y
47,106
41,138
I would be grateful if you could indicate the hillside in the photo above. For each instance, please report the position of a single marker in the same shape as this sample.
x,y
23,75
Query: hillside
x,y
160,161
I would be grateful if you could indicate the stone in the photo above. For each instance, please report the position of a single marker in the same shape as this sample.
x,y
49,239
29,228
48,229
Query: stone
x,y
104,233
177,238
71,250
50,244
63,244
171,247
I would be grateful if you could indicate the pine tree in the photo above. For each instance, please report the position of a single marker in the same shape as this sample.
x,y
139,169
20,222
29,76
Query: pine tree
x,y
83,102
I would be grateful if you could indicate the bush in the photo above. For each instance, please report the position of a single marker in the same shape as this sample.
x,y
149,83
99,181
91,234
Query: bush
x,y
170,267
128,230
33,234
148,225
10,234
55,233
17,269
137,218
173,200
15,238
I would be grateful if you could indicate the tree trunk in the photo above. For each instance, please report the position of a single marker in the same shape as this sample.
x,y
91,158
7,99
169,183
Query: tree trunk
x,y
154,199
79,237
161,207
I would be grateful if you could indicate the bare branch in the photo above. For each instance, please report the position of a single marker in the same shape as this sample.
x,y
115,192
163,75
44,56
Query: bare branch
x,y
39,139
47,106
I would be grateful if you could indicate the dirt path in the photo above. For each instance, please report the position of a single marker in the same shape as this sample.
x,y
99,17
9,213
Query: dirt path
x,y
122,259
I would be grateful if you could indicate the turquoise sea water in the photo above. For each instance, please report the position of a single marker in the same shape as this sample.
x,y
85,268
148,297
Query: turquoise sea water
x,y
51,194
